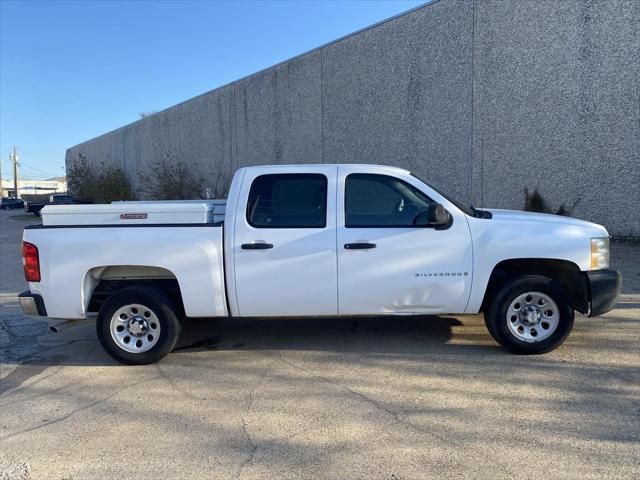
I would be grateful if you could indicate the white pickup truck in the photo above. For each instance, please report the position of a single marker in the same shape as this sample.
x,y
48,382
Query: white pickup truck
x,y
314,240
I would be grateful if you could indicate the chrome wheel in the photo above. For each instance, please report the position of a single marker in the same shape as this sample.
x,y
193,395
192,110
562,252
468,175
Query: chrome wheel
x,y
135,328
533,317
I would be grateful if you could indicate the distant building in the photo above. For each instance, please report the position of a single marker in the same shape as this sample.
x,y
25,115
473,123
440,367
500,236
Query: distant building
x,y
33,187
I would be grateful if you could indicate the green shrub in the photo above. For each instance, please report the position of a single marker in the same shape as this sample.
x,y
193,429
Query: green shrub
x,y
165,180
101,184
114,185
533,202
173,180
81,179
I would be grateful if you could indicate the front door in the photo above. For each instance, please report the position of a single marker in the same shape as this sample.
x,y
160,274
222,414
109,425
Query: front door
x,y
284,243
386,264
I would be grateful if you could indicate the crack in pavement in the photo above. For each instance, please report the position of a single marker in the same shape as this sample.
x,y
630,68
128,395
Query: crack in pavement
x,y
252,446
603,369
40,396
31,356
398,419
13,391
81,409
173,384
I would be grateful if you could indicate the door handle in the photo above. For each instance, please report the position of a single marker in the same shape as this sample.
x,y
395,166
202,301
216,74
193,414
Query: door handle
x,y
359,246
256,246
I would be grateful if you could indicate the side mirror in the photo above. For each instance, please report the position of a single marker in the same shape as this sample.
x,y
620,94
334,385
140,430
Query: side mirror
x,y
435,216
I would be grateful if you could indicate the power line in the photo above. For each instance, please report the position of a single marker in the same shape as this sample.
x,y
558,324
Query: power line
x,y
13,160
34,176
43,172
45,175
8,162
36,170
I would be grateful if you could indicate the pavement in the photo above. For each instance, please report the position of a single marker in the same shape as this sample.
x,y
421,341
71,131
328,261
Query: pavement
x,y
381,398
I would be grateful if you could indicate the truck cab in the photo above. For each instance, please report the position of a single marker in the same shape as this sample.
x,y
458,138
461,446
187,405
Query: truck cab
x,y
342,241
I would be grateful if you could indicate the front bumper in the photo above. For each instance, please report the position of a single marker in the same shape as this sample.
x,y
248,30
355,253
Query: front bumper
x,y
604,290
32,304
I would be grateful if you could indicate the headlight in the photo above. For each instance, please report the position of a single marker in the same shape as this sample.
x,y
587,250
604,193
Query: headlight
x,y
599,253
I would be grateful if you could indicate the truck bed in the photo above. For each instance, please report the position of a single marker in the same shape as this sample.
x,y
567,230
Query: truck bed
x,y
75,258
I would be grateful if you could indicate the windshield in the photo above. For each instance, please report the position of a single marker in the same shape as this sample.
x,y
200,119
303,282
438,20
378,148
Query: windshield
x,y
467,209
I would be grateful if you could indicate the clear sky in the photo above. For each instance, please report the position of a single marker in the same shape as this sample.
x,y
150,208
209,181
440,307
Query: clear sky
x,y
72,70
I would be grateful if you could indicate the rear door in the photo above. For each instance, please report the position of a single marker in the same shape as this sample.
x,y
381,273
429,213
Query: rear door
x,y
284,243
386,264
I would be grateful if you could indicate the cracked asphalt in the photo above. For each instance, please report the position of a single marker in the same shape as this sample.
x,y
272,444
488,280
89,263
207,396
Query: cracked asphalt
x,y
380,398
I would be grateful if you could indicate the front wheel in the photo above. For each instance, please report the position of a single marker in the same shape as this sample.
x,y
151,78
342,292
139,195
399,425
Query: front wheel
x,y
138,325
530,314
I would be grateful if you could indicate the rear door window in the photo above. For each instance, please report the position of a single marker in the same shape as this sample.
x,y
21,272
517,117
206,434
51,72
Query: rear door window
x,y
296,200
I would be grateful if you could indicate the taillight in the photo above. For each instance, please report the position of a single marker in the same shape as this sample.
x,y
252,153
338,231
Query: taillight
x,y
31,262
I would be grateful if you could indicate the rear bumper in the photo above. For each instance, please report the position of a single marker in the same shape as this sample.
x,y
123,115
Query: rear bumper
x,y
604,290
32,304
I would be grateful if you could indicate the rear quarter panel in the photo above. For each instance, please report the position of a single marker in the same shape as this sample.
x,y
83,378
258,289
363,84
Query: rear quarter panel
x,y
192,254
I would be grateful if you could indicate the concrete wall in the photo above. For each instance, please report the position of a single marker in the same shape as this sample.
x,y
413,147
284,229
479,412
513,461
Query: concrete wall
x,y
482,98
557,106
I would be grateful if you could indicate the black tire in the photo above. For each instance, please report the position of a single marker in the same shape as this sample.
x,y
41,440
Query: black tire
x,y
163,308
497,320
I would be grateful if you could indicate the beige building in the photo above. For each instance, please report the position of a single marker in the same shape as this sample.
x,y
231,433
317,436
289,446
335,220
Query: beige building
x,y
33,187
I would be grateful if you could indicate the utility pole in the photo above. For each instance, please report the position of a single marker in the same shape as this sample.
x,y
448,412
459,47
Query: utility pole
x,y
14,161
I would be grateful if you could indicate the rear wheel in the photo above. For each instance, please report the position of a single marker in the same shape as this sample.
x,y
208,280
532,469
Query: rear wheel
x,y
530,314
138,325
